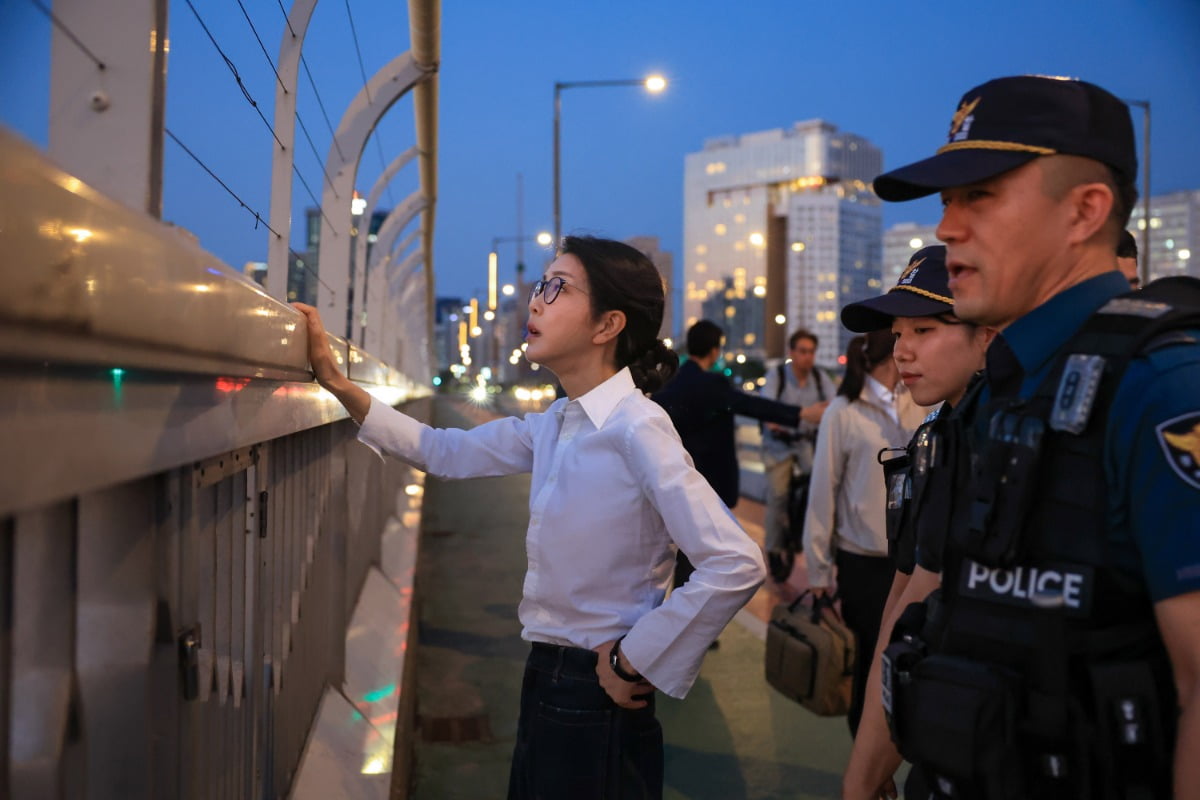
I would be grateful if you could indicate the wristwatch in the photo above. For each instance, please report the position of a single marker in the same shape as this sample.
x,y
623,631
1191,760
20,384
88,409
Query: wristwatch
x,y
614,661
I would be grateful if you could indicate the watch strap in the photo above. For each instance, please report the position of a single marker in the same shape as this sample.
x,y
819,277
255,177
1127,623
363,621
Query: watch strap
x,y
614,661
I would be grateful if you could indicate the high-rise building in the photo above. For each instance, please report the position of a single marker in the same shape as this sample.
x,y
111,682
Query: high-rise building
x,y
665,262
1174,234
303,269
781,229
899,243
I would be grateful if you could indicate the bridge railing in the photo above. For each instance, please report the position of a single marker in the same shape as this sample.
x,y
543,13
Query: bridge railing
x,y
205,582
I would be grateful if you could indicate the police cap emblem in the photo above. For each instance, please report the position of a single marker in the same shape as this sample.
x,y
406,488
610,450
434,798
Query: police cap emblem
x,y
1180,441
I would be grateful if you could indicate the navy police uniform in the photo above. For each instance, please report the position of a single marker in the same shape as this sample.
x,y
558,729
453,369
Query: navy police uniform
x,y
1038,670
916,479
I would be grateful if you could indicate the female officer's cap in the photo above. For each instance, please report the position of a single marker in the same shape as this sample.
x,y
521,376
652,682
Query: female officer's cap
x,y
922,291
1008,122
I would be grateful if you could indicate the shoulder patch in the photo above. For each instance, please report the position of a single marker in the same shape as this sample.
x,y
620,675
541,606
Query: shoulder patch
x,y
1180,441
1129,306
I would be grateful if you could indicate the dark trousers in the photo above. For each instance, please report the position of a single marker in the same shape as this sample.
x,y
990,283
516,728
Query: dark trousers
x,y
863,585
683,569
573,742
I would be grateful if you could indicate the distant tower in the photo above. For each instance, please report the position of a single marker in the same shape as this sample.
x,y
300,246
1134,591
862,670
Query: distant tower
x,y
781,224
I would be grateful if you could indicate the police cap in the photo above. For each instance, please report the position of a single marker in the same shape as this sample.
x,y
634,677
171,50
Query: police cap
x,y
922,291
1008,122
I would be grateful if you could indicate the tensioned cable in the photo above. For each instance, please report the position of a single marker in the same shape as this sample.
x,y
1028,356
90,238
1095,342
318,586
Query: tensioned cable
x,y
317,93
354,34
313,83
258,218
362,70
236,76
261,46
299,119
285,18
253,103
58,23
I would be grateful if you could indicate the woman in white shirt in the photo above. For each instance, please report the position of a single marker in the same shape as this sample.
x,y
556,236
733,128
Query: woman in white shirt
x,y
612,492
845,524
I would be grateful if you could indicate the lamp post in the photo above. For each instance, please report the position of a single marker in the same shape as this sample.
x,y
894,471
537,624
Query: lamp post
x,y
544,239
653,84
1144,266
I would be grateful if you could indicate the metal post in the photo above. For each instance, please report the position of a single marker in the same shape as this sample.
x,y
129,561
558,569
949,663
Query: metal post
x,y
557,159
107,102
383,89
653,84
283,157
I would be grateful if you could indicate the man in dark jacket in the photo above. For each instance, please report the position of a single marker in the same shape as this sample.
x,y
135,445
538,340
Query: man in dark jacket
x,y
702,404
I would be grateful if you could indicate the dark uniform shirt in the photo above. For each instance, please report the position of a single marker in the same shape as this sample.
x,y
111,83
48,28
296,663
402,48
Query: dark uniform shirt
x,y
1152,446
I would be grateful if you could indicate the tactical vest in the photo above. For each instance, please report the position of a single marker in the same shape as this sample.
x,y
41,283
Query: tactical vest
x,y
1037,671
919,490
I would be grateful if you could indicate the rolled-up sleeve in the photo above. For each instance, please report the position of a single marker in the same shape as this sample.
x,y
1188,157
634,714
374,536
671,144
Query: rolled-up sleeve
x,y
499,447
668,644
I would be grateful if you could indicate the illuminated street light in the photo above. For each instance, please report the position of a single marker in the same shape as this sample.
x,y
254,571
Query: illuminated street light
x,y
655,84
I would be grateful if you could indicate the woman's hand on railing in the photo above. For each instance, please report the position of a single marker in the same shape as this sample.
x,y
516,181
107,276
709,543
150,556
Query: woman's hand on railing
x,y
325,368
320,357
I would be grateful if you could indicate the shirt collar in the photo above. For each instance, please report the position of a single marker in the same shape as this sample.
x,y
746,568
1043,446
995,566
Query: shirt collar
x,y
599,402
885,395
1036,337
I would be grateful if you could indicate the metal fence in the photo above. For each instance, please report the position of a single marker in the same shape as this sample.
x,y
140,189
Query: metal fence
x,y
205,583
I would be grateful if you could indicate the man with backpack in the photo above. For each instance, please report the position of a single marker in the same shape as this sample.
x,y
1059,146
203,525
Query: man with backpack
x,y
788,452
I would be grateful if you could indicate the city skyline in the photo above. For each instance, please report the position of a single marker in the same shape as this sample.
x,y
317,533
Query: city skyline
x,y
729,71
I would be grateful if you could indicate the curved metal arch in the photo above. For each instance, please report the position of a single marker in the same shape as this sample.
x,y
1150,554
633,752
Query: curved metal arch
x,y
374,285
379,94
414,347
360,244
385,279
405,270
404,244
284,156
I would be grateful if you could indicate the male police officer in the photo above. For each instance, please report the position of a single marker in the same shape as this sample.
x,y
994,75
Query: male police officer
x,y
1073,554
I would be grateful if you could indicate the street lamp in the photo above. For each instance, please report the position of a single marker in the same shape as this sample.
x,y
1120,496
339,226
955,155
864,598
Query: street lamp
x,y
652,83
1144,267
543,238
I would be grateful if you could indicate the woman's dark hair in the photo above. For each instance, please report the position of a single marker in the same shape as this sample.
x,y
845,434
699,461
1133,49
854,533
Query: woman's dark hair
x,y
621,278
863,354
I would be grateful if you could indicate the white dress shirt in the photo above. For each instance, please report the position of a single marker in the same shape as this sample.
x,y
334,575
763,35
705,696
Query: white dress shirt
x,y
612,488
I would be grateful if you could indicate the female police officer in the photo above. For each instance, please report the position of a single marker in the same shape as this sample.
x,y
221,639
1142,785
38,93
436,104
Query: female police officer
x,y
937,355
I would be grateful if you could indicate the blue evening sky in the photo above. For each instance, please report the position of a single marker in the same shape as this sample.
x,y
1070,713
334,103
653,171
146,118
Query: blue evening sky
x,y
889,70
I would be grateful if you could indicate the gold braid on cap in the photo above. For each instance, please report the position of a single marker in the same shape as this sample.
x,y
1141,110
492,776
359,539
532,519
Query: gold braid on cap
x,y
924,293
988,144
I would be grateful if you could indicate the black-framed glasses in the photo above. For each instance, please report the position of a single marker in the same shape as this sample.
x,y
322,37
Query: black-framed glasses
x,y
548,289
